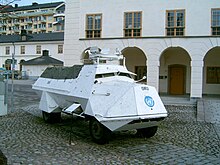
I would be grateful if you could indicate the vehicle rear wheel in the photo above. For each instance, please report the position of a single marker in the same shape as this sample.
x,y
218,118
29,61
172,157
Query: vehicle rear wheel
x,y
147,132
99,133
51,117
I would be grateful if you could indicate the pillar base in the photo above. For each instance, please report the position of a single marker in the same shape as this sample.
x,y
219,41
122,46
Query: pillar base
x,y
3,106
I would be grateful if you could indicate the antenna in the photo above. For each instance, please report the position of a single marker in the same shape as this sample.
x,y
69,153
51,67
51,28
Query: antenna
x,y
96,55
117,52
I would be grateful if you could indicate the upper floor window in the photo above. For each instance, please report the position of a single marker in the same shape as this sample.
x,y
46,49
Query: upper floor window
x,y
50,25
35,19
93,25
38,49
50,18
43,18
60,49
175,22
22,50
132,24
215,22
7,50
44,10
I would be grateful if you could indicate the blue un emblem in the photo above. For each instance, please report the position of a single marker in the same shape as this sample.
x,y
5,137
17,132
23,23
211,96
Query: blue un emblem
x,y
149,101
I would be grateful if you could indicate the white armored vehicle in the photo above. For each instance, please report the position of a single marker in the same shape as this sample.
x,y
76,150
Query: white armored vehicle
x,y
104,94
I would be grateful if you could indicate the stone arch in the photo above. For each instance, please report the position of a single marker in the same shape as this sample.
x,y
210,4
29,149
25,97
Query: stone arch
x,y
175,71
136,61
211,71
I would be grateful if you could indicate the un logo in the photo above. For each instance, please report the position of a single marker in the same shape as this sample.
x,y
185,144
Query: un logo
x,y
149,101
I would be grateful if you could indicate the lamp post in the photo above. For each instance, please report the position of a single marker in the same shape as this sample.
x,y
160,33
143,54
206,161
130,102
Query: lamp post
x,y
8,2
12,79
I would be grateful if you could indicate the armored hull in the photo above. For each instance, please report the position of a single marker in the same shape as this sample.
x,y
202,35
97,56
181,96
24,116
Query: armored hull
x,y
104,94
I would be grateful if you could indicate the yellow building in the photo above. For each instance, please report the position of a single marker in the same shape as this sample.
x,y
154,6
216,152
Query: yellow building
x,y
35,18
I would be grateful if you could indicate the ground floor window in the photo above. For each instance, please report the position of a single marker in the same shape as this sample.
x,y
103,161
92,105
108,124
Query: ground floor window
x,y
213,75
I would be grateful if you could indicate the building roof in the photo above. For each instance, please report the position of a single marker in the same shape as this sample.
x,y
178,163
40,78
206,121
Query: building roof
x,y
33,6
61,8
43,60
56,36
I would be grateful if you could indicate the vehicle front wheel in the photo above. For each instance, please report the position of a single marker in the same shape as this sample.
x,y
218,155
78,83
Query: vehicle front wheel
x,y
99,133
51,117
147,132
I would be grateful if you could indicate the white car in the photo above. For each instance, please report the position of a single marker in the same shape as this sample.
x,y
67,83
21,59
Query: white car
x,y
105,94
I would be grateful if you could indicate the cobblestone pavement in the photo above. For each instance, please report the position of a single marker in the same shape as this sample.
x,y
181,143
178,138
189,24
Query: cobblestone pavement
x,y
26,139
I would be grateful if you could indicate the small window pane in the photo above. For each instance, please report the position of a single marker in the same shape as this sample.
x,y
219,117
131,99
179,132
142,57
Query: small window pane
x,y
216,31
90,22
97,22
128,33
97,34
128,20
89,34
170,32
136,32
170,19
179,31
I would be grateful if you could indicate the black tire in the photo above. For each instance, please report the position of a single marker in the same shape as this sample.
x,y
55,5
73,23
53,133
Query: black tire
x,y
147,132
99,133
51,117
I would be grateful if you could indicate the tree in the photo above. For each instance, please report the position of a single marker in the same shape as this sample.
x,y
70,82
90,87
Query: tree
x,y
5,3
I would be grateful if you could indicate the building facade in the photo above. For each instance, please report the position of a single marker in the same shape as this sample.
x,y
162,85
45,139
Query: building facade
x,y
35,18
26,47
176,44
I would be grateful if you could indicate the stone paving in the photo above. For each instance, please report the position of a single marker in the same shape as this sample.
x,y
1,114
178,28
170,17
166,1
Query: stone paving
x,y
212,110
26,140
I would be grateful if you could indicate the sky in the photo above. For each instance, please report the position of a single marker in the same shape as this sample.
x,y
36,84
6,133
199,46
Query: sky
x,y
29,2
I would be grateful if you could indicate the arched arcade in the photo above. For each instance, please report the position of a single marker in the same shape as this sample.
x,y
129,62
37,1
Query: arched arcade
x,y
174,71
